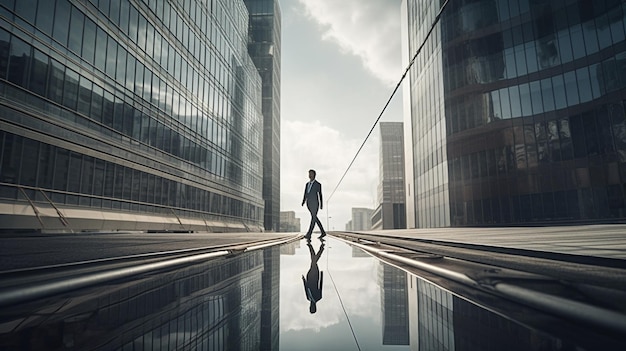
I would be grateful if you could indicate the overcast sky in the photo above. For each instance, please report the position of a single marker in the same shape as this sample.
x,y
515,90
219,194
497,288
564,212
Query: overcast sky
x,y
340,63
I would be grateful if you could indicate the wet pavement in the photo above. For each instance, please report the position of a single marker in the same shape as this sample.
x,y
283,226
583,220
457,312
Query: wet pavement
x,y
261,300
368,304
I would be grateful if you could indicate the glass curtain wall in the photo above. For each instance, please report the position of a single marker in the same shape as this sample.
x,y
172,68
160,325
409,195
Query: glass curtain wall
x,y
150,106
264,48
532,112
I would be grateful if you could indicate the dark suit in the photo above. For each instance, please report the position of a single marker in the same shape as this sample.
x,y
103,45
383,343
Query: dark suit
x,y
313,199
314,278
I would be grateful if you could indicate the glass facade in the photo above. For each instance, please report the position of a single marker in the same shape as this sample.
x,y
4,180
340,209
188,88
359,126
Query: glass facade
x,y
215,305
150,107
264,48
390,213
517,112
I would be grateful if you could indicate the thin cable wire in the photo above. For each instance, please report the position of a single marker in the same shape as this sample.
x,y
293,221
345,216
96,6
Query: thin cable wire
x,y
341,302
432,27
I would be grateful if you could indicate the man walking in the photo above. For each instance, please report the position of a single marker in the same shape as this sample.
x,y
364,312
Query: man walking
x,y
314,279
313,199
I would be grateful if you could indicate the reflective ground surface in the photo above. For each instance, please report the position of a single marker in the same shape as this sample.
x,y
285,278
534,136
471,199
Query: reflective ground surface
x,y
261,300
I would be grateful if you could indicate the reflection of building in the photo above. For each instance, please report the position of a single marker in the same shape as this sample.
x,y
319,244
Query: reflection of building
x,y
270,306
357,252
141,115
215,305
264,48
394,303
290,248
361,218
443,321
289,222
390,213
516,113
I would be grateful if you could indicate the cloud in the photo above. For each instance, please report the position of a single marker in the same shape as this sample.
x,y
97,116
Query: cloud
x,y
355,280
368,29
311,145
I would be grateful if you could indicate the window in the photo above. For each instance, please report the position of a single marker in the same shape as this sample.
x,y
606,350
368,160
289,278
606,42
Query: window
x,y
141,32
111,57
589,34
133,23
565,46
44,19
96,103
86,181
70,95
61,21
38,73
61,168
578,42
124,15
28,172
101,49
98,180
118,113
525,100
89,41
127,124
114,11
150,40
147,84
107,109
84,96
5,39
558,87
46,166
130,72
26,9
571,88
120,73
139,69
56,76
76,31
19,62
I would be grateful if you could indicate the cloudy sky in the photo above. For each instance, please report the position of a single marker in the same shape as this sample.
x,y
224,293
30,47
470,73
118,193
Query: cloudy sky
x,y
340,63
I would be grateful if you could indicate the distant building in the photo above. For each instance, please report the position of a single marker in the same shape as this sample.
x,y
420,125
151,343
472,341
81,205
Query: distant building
x,y
349,225
361,218
390,213
289,222
264,48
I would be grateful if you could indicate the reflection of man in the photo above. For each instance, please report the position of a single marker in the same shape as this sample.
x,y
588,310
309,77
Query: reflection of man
x,y
314,279
313,199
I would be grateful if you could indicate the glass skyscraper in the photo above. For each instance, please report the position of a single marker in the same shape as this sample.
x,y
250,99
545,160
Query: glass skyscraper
x,y
516,111
390,213
130,114
264,48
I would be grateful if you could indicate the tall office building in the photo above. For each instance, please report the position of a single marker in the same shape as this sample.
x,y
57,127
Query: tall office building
x,y
390,213
264,48
129,114
394,303
289,222
516,112
361,218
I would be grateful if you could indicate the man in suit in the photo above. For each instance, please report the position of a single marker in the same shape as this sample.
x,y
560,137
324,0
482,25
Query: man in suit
x,y
314,279
313,199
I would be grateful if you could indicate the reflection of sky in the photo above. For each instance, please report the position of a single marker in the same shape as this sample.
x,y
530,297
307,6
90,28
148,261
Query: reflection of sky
x,y
355,280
